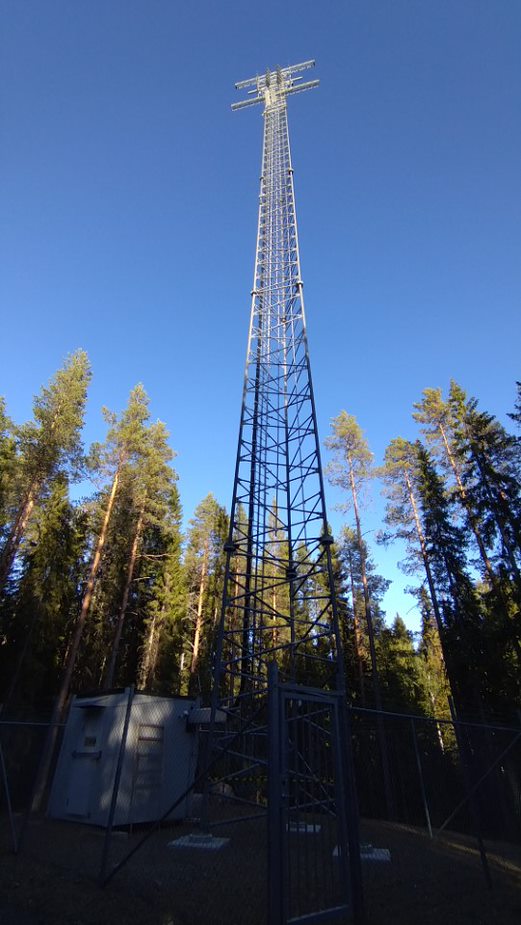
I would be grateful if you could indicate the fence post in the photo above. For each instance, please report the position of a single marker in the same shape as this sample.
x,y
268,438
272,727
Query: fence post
x,y
115,788
420,774
468,786
353,817
8,801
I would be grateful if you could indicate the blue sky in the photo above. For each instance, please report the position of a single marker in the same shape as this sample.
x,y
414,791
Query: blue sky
x,y
129,198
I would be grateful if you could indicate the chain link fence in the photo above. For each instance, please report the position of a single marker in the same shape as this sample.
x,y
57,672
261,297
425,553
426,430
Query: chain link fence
x,y
448,847
121,838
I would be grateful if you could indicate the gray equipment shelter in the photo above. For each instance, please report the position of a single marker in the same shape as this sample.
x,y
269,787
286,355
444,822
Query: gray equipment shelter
x,y
158,761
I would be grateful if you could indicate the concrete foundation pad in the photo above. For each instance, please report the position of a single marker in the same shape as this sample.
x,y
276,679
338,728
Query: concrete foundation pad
x,y
307,827
200,841
368,853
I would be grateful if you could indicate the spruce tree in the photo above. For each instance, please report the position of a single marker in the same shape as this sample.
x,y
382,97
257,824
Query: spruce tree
x,y
350,580
491,468
401,671
163,602
461,611
400,474
42,605
435,687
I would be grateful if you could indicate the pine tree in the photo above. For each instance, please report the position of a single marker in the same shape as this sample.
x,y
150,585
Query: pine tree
x,y
399,474
204,569
47,448
151,481
122,447
435,415
351,469
7,467
113,462
348,550
97,635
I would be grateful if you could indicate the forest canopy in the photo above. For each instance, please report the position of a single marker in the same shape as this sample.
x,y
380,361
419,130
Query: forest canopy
x,y
108,590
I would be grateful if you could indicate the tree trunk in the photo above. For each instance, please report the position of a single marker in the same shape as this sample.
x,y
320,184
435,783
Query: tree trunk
x,y
72,653
149,660
15,537
426,563
438,726
365,588
357,635
109,676
199,618
389,799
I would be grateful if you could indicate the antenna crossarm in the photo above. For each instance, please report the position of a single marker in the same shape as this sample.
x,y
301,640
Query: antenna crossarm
x,y
272,87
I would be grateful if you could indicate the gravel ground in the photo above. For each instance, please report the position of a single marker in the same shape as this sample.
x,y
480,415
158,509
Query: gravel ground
x,y
54,879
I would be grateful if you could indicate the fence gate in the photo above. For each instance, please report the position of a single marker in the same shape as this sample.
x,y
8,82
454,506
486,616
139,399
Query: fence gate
x,y
314,858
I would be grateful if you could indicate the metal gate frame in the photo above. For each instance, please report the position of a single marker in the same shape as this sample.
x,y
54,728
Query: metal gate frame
x,y
292,793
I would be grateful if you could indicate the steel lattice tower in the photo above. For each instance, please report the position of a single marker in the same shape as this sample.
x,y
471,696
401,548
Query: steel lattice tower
x,y
279,601
278,736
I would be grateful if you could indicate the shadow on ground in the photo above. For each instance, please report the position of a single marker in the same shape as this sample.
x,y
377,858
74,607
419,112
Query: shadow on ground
x,y
54,879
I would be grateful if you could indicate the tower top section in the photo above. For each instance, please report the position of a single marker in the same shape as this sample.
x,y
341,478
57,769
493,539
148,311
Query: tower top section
x,y
274,86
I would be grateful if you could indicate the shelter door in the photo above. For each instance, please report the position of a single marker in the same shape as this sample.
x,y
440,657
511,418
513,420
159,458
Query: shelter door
x,y
85,763
147,783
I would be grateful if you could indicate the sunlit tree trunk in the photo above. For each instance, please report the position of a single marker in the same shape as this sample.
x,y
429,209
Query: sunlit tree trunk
x,y
72,653
357,634
389,799
109,676
151,650
425,560
199,620
365,589
13,543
